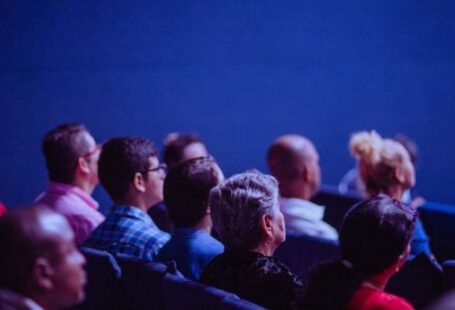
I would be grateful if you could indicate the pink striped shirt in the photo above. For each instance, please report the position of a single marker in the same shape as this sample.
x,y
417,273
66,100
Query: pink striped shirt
x,y
79,208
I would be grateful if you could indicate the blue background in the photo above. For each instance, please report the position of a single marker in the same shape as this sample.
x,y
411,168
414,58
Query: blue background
x,y
240,73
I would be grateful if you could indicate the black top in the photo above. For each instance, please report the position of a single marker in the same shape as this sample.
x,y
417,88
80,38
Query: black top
x,y
255,277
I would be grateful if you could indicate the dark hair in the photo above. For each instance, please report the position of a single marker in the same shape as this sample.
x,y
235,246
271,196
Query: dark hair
x,y
120,159
187,187
174,147
62,146
21,241
374,233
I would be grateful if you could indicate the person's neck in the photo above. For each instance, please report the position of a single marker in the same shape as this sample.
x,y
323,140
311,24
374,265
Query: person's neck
x,y
133,202
84,185
41,301
379,281
396,193
296,191
205,224
265,249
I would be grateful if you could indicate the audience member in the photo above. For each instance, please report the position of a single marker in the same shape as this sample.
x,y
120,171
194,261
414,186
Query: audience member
x,y
40,266
186,193
72,163
249,222
351,183
130,173
374,242
177,147
294,162
385,167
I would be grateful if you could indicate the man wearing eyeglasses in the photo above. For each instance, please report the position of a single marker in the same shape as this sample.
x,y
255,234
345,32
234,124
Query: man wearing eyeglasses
x,y
72,163
131,174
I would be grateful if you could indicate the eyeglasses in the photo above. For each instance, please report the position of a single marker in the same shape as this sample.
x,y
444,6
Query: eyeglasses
x,y
161,167
95,149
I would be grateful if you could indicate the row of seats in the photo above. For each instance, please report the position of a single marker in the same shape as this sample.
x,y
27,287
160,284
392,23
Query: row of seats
x,y
438,219
126,283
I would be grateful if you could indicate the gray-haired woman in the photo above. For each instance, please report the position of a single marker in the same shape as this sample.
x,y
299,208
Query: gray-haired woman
x,y
248,220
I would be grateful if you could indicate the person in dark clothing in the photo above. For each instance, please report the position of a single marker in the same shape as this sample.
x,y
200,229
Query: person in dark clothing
x,y
248,220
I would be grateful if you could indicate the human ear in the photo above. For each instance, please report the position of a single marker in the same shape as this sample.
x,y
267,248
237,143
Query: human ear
x,y
82,165
266,226
139,182
42,273
400,175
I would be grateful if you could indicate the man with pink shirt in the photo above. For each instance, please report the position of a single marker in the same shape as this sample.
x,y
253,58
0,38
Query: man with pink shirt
x,y
72,163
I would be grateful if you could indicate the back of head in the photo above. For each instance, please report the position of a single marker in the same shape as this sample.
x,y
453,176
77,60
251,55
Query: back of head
x,y
62,146
120,159
378,158
375,232
175,146
187,187
294,161
237,206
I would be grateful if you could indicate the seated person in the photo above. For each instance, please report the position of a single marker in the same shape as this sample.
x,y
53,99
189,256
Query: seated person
x,y
385,167
374,243
186,193
247,217
72,163
177,147
294,162
40,266
131,174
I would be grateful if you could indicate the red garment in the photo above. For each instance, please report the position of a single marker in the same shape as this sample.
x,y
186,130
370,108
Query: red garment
x,y
366,298
2,209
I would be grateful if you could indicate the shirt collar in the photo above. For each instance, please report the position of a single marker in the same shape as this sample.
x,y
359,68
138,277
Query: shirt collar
x,y
69,188
131,211
307,208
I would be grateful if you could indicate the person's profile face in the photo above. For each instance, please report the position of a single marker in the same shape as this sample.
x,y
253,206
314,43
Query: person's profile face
x,y
154,182
92,157
279,228
68,274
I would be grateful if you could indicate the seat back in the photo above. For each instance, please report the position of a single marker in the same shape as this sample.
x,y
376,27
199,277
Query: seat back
x,y
438,220
234,303
301,254
448,271
336,204
419,281
183,294
103,286
142,283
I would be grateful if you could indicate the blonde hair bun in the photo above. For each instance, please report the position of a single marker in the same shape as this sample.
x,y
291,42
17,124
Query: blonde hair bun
x,y
366,146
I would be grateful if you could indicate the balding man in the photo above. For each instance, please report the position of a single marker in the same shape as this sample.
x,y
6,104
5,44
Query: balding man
x,y
40,266
294,162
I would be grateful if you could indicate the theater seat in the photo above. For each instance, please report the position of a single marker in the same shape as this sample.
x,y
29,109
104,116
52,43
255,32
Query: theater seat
x,y
448,271
235,303
142,282
183,294
303,253
419,281
103,287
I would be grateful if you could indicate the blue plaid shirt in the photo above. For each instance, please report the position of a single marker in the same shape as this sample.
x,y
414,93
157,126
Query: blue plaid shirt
x,y
130,231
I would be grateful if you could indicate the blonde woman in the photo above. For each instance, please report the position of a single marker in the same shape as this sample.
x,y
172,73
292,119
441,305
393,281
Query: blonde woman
x,y
385,167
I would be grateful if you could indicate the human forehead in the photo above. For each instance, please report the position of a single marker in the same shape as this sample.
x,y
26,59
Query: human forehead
x,y
153,162
194,150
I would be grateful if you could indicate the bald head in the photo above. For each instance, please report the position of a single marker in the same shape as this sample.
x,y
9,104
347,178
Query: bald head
x,y
294,162
37,254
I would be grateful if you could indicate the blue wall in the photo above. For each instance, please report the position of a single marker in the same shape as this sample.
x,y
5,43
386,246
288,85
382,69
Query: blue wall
x,y
240,73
